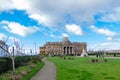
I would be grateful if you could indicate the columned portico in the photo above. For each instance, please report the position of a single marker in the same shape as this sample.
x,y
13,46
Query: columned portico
x,y
67,50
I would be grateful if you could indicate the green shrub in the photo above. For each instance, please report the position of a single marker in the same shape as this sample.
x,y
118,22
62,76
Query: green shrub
x,y
34,61
22,71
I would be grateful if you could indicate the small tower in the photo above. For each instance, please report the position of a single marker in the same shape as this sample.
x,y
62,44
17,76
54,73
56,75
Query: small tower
x,y
84,53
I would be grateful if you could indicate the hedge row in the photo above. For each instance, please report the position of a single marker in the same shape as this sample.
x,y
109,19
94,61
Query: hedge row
x,y
6,63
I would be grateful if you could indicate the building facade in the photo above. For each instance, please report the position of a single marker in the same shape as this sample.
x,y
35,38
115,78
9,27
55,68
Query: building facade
x,y
3,49
65,47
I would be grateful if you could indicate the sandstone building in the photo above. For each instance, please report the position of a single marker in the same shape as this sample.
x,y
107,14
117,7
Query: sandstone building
x,y
65,47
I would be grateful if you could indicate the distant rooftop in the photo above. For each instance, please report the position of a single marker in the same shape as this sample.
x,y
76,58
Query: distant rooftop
x,y
66,41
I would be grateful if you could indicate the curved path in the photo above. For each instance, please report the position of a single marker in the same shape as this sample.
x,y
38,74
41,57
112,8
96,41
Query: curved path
x,y
48,72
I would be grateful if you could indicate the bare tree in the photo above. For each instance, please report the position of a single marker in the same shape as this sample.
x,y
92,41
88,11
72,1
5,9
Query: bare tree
x,y
11,56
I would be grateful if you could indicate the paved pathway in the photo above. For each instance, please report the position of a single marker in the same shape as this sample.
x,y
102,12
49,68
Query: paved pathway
x,y
113,57
48,72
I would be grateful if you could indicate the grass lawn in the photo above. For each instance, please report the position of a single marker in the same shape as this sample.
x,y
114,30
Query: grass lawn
x,y
84,69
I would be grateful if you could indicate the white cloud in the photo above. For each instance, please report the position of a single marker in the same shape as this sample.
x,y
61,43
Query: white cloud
x,y
61,36
105,46
54,36
113,16
2,36
103,31
13,38
8,39
42,19
6,5
18,4
74,29
65,35
114,39
14,4
109,38
51,12
18,29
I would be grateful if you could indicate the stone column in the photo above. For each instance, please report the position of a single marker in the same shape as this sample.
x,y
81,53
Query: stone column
x,y
62,50
65,50
69,50
72,50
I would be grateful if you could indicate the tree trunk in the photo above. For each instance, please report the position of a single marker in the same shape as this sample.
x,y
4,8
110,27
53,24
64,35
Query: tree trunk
x,y
13,63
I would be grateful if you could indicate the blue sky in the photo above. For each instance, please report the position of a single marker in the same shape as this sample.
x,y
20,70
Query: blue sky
x,y
96,22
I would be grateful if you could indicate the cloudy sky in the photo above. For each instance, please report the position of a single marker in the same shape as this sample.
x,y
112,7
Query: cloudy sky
x,y
96,22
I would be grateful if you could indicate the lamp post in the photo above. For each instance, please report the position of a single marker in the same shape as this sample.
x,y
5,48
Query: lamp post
x,y
35,52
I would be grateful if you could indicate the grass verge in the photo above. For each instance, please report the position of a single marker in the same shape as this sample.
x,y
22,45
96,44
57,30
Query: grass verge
x,y
33,72
23,72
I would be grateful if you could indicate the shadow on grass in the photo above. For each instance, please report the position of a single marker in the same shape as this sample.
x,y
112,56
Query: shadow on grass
x,y
85,75
109,78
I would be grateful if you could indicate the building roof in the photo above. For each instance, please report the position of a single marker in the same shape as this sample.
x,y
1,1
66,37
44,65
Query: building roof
x,y
65,40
